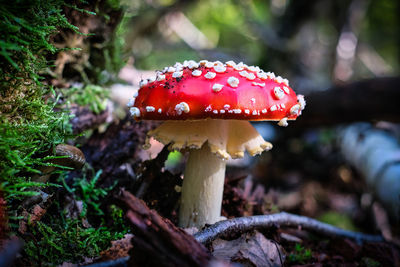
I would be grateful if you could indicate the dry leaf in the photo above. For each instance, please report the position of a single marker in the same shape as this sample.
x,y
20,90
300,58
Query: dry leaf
x,y
119,248
251,249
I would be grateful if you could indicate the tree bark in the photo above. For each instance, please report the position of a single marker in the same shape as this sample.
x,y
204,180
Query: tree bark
x,y
157,242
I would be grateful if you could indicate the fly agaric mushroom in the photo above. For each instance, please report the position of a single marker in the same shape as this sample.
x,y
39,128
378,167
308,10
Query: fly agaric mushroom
x,y
206,108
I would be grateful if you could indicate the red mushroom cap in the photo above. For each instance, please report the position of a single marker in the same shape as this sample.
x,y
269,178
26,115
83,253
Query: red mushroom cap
x,y
192,91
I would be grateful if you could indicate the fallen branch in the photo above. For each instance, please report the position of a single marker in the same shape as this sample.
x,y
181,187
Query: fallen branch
x,y
282,219
366,100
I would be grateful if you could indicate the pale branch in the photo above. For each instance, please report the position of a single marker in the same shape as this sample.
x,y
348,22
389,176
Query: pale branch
x,y
282,219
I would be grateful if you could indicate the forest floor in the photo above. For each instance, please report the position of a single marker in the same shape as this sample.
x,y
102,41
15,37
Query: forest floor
x,y
304,174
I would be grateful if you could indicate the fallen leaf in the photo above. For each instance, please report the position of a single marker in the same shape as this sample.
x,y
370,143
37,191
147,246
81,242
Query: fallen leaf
x,y
251,249
30,218
119,248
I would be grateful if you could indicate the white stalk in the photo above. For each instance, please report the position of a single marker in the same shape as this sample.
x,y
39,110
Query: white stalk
x,y
210,143
202,190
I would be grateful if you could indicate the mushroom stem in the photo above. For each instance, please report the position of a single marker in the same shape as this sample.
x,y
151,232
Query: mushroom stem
x,y
202,190
210,142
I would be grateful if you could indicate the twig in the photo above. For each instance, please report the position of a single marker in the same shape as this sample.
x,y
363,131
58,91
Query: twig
x,y
281,219
121,262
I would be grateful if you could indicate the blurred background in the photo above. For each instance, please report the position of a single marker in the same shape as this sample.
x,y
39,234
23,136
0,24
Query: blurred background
x,y
312,43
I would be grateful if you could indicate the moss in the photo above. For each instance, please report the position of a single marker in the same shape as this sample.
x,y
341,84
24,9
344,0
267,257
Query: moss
x,y
29,125
58,238
67,241
26,27
300,255
99,57
93,96
33,120
87,191
368,262
338,219
26,145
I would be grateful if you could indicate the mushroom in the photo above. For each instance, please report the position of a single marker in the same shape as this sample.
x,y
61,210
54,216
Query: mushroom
x,y
206,108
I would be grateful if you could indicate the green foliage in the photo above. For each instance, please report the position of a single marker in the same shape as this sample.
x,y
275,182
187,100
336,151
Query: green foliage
x,y
66,240
29,126
117,217
26,27
174,158
25,148
300,255
368,262
22,189
113,58
59,239
32,123
223,23
105,63
338,219
91,95
90,194
87,191
382,20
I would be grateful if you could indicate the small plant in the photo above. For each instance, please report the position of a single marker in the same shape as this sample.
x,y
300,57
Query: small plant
x,y
89,193
300,255
117,217
368,262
